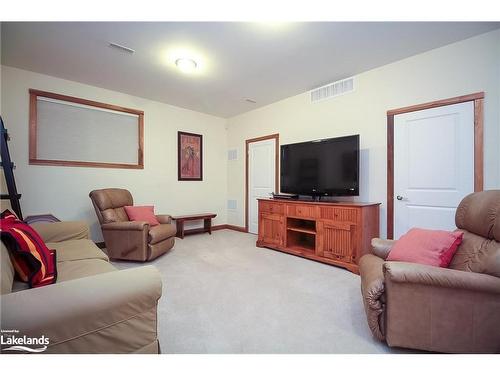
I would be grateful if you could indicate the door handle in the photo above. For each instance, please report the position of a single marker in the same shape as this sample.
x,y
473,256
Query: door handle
x,y
399,198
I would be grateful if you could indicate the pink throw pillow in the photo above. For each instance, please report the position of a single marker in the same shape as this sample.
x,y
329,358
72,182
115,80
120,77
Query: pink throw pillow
x,y
425,246
142,213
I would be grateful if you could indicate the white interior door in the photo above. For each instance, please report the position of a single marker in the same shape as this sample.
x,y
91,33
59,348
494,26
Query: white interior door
x,y
433,166
261,177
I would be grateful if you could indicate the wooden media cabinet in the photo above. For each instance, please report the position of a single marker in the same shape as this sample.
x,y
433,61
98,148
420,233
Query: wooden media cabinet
x,y
336,233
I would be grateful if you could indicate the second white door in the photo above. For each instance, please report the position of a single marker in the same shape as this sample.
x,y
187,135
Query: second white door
x,y
261,177
433,166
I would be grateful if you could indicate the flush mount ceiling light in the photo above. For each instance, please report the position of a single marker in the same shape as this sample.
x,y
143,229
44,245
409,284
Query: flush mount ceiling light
x,y
187,59
186,65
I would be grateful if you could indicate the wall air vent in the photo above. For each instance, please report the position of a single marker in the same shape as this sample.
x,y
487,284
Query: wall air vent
x,y
232,155
232,204
332,90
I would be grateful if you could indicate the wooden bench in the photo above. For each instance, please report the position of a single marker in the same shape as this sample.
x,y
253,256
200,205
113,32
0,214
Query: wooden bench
x,y
207,223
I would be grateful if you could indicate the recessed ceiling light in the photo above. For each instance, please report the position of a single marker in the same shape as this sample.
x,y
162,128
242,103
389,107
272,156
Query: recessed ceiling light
x,y
186,65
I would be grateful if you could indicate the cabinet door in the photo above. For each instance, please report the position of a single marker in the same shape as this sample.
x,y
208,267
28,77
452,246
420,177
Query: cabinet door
x,y
271,229
337,240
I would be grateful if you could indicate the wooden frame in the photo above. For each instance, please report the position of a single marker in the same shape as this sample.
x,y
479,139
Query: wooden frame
x,y
276,137
478,99
33,159
179,175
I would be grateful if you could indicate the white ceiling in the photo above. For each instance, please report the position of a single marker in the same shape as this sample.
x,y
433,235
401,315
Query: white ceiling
x,y
263,62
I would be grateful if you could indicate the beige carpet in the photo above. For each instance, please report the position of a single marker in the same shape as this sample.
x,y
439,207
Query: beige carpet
x,y
221,294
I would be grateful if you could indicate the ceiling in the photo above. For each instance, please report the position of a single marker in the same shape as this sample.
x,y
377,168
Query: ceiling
x,y
264,62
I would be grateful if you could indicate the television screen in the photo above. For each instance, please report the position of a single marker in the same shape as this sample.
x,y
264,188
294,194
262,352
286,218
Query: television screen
x,y
323,167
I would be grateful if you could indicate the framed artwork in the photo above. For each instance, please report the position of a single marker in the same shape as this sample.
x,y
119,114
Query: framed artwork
x,y
189,157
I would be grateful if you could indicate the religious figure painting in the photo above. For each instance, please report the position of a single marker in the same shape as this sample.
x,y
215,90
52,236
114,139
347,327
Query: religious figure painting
x,y
190,156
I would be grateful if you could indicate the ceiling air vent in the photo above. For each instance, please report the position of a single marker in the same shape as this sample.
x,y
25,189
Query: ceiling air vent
x,y
333,89
121,47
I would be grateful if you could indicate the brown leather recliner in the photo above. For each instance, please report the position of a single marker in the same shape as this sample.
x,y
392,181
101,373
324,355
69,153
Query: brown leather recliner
x,y
452,310
130,240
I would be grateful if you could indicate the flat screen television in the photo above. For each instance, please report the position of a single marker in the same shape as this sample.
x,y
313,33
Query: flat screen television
x,y
326,167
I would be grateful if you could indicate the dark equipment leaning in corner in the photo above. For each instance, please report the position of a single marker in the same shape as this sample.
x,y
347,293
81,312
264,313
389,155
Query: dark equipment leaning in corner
x,y
8,171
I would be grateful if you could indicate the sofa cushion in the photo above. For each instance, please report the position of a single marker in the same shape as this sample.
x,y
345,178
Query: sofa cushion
x,y
77,250
33,261
161,232
73,270
62,230
7,270
82,268
425,246
142,213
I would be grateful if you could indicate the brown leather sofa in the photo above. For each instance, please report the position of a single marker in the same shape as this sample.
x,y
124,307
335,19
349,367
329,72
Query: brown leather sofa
x,y
92,308
452,310
130,240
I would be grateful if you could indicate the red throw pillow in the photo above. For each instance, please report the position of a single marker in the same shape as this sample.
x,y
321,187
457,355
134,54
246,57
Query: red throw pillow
x,y
425,246
33,261
142,213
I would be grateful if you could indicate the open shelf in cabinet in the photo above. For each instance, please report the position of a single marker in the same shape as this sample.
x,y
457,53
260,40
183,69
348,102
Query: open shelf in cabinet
x,y
301,225
301,241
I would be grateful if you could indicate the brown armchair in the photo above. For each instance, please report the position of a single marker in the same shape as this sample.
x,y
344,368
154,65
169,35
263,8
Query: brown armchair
x,y
130,240
453,310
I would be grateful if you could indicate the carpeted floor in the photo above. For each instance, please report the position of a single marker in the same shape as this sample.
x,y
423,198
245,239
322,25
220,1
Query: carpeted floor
x,y
221,294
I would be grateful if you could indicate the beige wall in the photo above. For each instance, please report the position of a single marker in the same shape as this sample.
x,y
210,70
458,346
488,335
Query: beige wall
x,y
461,68
64,191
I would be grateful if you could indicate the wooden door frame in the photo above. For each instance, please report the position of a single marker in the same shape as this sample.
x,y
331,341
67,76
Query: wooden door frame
x,y
276,138
478,99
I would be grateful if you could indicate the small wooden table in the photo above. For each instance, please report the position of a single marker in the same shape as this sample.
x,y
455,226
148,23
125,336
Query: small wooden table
x,y
207,223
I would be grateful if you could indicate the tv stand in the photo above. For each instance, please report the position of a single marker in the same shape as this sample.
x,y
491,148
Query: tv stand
x,y
336,233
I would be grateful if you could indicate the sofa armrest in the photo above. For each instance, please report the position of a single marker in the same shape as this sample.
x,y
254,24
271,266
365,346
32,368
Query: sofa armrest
x,y
62,231
403,272
126,225
372,290
381,247
164,219
113,312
